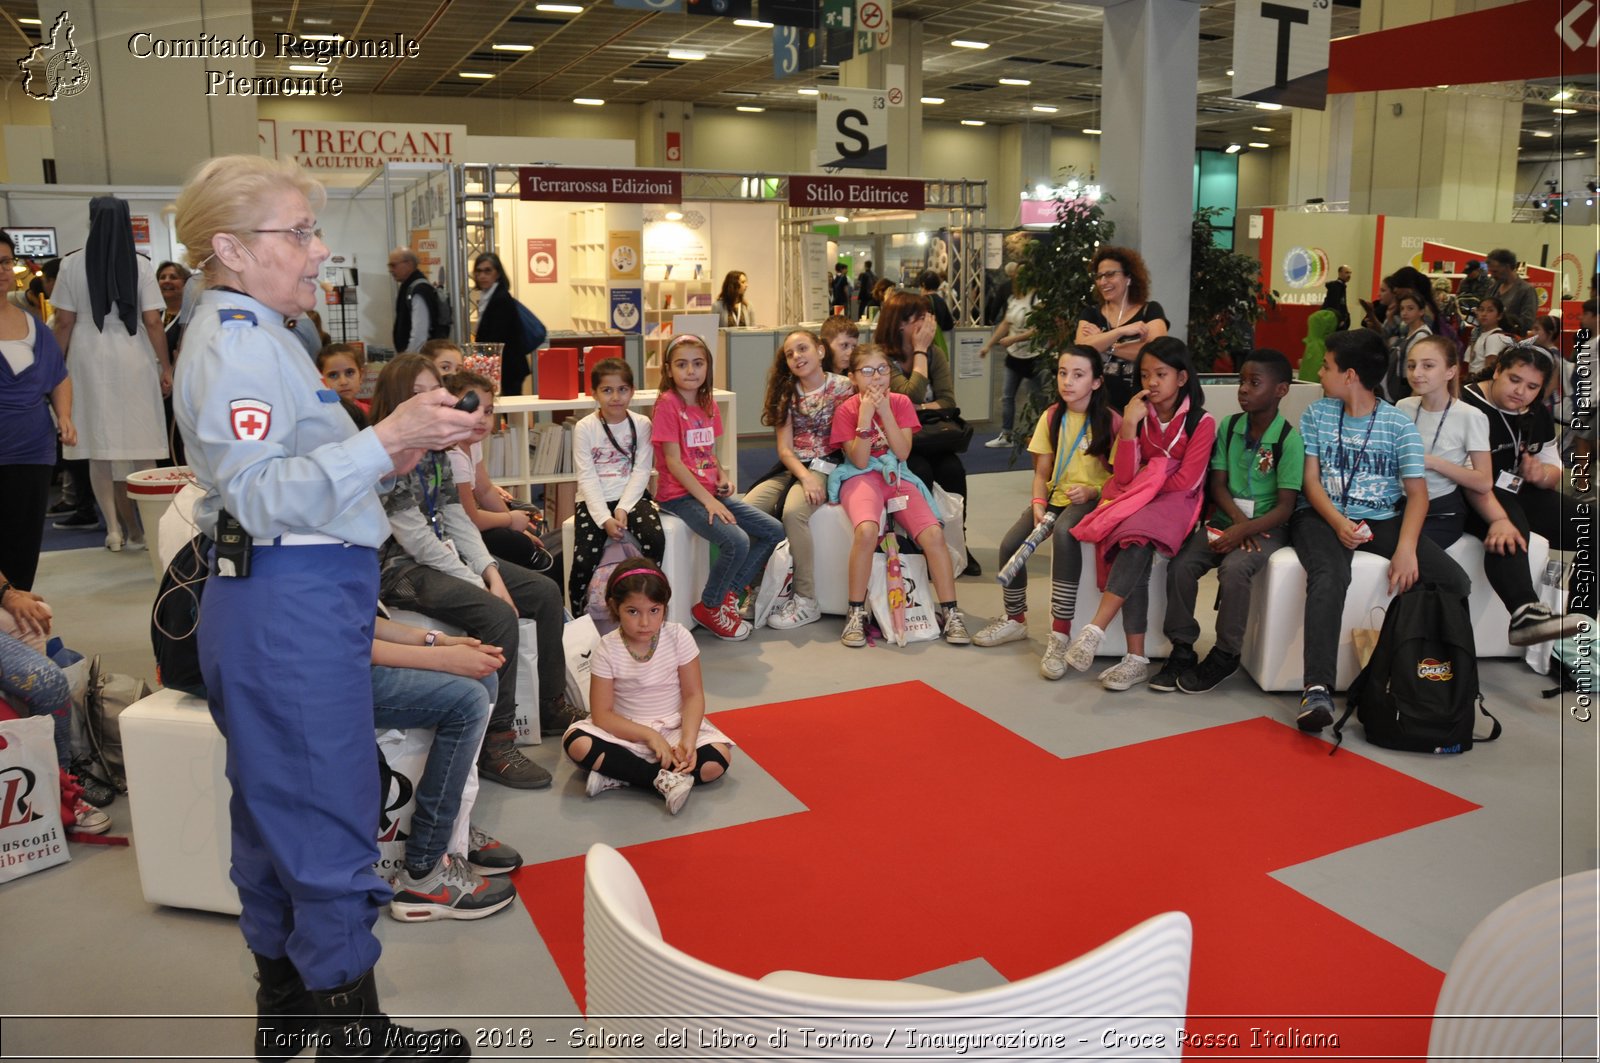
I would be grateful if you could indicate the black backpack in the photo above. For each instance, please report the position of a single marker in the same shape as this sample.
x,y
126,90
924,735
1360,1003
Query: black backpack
x,y
176,616
1418,691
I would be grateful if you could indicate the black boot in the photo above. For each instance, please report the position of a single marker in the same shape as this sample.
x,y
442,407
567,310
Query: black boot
x,y
354,1028
286,1016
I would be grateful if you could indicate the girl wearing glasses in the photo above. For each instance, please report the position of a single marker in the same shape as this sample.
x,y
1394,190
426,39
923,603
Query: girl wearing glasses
x,y
1121,320
874,427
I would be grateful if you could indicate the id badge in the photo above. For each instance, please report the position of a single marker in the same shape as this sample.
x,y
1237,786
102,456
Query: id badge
x,y
450,544
896,503
1509,481
822,465
1247,506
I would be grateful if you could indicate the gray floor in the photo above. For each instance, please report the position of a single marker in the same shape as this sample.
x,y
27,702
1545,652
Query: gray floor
x,y
81,942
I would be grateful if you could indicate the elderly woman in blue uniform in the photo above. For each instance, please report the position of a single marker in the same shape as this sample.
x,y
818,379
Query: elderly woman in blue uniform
x,y
285,633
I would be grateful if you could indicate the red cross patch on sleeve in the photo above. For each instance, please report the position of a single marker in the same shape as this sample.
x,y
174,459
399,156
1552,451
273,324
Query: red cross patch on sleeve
x,y
250,418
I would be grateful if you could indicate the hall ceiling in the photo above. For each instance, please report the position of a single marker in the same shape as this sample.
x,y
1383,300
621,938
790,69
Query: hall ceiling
x,y
620,56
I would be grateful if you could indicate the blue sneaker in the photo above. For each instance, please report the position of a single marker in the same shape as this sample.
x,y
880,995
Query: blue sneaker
x,y
1316,710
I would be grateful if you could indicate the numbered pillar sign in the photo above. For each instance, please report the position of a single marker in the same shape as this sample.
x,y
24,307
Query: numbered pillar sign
x,y
853,129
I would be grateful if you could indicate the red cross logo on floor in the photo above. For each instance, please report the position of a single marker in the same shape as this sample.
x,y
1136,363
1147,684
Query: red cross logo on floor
x,y
250,418
932,836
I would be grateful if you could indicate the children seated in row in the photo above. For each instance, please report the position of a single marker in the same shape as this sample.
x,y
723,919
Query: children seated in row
x,y
1150,503
647,725
1071,448
1257,468
1364,490
613,456
874,427
802,396
435,562
695,488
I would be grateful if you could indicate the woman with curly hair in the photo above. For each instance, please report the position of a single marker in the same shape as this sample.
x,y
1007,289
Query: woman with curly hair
x,y
1122,319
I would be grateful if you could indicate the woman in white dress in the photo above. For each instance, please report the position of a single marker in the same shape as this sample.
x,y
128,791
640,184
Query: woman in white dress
x,y
108,321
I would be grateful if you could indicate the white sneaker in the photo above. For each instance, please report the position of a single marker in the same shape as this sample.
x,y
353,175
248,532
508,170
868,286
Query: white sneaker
x,y
1001,632
855,628
114,542
1128,672
955,629
675,787
1054,664
796,612
1080,655
88,819
599,784
999,442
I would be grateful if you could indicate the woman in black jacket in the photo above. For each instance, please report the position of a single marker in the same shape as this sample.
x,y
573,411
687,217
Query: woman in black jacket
x,y
500,321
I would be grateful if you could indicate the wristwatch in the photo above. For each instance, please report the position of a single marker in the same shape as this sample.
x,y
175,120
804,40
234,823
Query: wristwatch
x,y
432,637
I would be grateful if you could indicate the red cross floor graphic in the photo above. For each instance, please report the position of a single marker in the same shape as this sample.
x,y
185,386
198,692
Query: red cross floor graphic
x,y
933,836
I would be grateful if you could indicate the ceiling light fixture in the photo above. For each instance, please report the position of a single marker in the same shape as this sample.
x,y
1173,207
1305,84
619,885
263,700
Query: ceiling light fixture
x,y
318,21
1015,81
841,217
1563,110
302,69
1045,108
933,100
750,110
752,24
1233,149
1264,106
1543,134
1262,128
1564,94
1091,132
1229,73
976,45
972,121
808,92
475,75
512,47
560,9
588,101
1259,144
685,54
629,81
673,215
30,22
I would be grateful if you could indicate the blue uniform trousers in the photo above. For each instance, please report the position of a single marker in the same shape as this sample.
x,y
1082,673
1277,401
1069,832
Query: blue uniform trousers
x,y
286,656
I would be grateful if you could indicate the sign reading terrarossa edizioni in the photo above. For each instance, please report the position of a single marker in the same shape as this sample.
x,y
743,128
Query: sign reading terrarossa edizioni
x,y
574,184
858,193
358,146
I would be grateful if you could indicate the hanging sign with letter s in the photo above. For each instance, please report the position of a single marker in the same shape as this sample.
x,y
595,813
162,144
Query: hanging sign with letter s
x,y
853,129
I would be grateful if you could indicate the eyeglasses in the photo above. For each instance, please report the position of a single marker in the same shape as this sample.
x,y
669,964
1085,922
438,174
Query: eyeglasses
x,y
1108,274
305,236
7,262
874,370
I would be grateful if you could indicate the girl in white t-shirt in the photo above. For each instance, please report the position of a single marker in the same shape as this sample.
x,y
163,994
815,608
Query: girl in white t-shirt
x,y
647,725
1489,340
508,532
1454,433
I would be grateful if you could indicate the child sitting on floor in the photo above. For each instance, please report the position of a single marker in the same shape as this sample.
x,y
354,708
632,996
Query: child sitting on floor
x,y
1071,448
1256,469
647,723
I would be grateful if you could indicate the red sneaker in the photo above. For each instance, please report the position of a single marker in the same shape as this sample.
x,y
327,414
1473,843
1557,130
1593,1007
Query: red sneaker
x,y
720,623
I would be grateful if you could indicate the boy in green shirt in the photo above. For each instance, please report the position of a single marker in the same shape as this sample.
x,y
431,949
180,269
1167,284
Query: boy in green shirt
x,y
1256,472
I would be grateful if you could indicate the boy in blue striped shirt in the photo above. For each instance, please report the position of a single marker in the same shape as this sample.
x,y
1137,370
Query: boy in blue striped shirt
x,y
1364,490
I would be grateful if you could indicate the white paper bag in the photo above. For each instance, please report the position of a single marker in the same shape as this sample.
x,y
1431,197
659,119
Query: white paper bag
x,y
402,757
527,718
777,583
951,511
31,833
578,640
922,624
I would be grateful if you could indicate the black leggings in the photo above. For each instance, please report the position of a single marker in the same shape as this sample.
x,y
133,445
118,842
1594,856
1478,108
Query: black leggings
x,y
624,764
589,541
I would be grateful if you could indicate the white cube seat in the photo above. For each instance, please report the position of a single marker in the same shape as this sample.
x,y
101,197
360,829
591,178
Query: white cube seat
x,y
687,563
1115,644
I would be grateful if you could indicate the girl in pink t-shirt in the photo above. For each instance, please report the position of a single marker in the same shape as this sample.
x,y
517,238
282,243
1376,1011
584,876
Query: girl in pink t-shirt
x,y
874,427
696,489
647,725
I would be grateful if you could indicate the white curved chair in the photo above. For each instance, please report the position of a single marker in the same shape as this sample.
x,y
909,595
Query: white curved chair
x,y
638,985
1524,985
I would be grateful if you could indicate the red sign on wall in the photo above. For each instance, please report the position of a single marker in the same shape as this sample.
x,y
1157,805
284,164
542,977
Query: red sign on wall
x,y
675,147
571,184
858,193
541,261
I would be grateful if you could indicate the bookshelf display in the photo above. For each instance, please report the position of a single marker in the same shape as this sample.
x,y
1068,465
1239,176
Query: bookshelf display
x,y
665,297
587,231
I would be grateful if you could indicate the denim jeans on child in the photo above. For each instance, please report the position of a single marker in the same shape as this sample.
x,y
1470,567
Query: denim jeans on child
x,y
742,548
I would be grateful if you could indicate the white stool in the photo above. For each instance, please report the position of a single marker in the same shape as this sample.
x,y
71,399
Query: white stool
x,y
178,793
687,563
831,536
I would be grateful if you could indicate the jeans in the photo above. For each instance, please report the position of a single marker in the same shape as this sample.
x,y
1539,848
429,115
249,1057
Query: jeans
x,y
1327,565
742,548
457,708
1130,580
1237,569
33,680
1016,379
470,607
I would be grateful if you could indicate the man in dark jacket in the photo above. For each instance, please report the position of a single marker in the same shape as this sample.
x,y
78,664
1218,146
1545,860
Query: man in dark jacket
x,y
1335,299
864,285
839,291
416,308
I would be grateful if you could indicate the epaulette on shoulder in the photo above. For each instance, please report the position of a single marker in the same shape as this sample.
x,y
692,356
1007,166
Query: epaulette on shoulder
x,y
236,317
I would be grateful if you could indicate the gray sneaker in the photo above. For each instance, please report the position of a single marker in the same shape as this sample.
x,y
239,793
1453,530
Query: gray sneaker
x,y
1001,632
1316,710
502,762
1080,655
1128,672
855,628
1054,664
955,629
451,890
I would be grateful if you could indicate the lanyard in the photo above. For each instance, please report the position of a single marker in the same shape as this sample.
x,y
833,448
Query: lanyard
x,y
1418,418
633,444
1064,457
1348,477
432,478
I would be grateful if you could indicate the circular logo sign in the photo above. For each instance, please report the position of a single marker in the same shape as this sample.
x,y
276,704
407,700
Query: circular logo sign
x,y
1305,267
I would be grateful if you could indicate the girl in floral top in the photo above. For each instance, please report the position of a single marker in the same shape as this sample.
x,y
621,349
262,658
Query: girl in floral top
x,y
801,398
